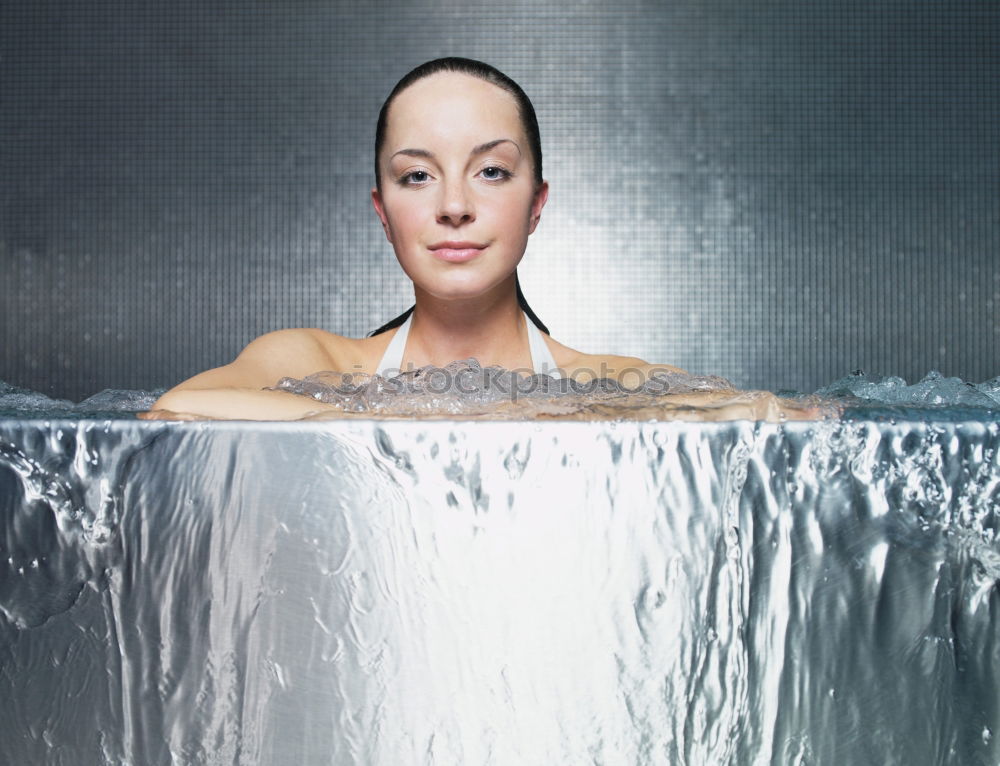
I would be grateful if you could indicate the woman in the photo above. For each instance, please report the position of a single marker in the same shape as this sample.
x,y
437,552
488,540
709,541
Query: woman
x,y
458,190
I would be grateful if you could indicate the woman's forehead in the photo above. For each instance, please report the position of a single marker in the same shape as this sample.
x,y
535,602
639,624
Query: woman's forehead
x,y
448,106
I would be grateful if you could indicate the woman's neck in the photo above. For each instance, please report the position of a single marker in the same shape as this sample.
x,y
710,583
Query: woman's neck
x,y
489,328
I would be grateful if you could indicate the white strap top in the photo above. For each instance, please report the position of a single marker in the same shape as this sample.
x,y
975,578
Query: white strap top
x,y
542,361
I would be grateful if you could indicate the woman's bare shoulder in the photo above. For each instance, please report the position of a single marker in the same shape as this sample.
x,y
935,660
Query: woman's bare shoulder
x,y
303,351
629,370
293,353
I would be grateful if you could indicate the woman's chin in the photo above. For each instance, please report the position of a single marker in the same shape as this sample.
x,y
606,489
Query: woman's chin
x,y
463,289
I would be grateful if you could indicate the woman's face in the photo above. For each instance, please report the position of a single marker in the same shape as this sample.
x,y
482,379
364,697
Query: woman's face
x,y
458,198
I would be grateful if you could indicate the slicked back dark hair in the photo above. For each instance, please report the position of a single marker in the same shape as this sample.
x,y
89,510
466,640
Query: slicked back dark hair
x,y
525,110
481,71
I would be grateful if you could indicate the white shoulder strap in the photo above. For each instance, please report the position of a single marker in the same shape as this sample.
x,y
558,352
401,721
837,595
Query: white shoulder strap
x,y
542,361
392,359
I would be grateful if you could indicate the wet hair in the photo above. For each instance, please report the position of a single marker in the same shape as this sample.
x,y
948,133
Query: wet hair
x,y
525,110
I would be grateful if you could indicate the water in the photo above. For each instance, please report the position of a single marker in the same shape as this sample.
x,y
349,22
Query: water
x,y
385,591
23,402
934,391
467,390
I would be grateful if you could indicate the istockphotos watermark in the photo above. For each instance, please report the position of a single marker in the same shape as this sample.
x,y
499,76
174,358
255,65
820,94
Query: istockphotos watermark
x,y
512,383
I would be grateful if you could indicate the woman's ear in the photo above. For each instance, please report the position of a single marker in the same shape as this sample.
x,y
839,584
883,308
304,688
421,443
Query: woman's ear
x,y
380,212
541,195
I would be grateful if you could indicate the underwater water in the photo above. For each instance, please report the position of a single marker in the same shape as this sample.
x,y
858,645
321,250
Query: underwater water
x,y
620,590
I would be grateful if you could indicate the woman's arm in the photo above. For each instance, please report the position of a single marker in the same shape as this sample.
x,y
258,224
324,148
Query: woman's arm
x,y
233,404
236,390
723,404
716,404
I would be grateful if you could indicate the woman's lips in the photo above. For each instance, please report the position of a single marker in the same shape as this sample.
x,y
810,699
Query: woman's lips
x,y
456,252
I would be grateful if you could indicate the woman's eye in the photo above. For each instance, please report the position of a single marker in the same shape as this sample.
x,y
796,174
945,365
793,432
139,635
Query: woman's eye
x,y
493,173
415,177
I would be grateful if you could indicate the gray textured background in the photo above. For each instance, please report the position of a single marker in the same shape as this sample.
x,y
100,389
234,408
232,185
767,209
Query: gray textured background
x,y
778,192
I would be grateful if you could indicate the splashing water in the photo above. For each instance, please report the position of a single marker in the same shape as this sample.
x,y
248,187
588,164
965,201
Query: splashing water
x,y
468,389
934,390
602,592
15,401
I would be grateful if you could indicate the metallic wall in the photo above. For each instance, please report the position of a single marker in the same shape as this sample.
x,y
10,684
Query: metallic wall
x,y
776,192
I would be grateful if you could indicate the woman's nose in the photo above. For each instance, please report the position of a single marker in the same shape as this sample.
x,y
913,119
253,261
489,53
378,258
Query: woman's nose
x,y
455,206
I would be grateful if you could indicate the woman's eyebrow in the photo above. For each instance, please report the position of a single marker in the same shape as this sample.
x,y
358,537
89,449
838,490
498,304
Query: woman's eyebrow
x,y
492,144
414,153
482,148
